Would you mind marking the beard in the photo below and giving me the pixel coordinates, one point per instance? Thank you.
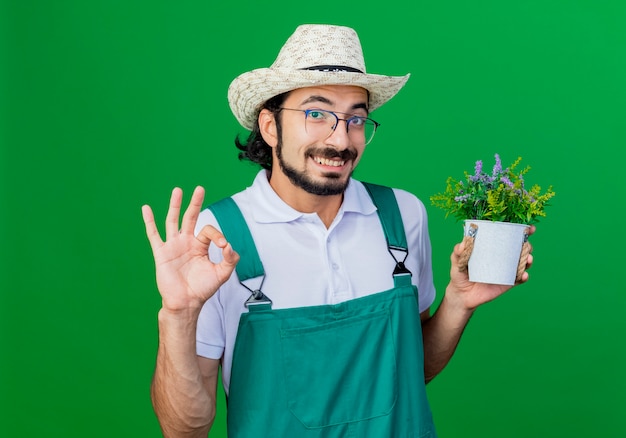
(331, 185)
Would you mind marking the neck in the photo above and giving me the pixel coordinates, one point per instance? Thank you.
(299, 199)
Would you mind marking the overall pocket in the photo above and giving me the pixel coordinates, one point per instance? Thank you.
(342, 371)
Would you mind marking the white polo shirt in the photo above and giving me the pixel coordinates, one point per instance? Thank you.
(307, 264)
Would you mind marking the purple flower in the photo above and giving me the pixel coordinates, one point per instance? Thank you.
(507, 181)
(479, 168)
(497, 168)
(477, 172)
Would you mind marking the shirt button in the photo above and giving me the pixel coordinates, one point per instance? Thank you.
(335, 266)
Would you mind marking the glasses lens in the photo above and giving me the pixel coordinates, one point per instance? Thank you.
(361, 130)
(319, 123)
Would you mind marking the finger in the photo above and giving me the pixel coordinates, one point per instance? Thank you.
(459, 248)
(210, 234)
(229, 262)
(456, 253)
(230, 257)
(523, 278)
(458, 262)
(466, 248)
(173, 213)
(151, 229)
(190, 218)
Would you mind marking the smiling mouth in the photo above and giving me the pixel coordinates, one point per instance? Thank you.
(329, 162)
(332, 158)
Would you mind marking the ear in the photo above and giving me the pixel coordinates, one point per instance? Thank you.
(267, 127)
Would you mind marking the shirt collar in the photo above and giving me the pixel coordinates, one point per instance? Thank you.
(268, 207)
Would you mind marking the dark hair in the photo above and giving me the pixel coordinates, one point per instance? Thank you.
(255, 148)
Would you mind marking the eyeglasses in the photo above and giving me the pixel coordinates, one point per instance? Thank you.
(322, 123)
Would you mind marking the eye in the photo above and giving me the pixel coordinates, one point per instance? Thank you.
(358, 122)
(317, 115)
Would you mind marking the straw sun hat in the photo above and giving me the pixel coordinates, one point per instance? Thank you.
(314, 55)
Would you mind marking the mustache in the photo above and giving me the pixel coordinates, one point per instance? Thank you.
(330, 153)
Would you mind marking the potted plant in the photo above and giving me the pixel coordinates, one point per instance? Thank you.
(497, 210)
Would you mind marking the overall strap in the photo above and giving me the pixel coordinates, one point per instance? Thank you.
(391, 220)
(389, 214)
(236, 231)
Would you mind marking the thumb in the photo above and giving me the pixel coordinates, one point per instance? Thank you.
(230, 256)
(463, 251)
(229, 261)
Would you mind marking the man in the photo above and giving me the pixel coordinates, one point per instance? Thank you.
(324, 329)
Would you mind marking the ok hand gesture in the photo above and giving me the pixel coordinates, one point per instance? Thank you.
(186, 278)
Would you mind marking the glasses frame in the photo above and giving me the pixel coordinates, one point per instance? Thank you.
(337, 119)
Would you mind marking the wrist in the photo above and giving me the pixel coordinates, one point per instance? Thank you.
(179, 317)
(175, 306)
(455, 306)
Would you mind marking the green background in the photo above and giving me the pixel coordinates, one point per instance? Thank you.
(107, 105)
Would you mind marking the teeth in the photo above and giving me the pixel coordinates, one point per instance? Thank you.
(327, 162)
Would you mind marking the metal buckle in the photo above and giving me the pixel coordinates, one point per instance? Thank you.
(257, 298)
(400, 268)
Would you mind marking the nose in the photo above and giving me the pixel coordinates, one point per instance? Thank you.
(339, 138)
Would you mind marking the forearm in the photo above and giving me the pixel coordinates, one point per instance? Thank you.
(441, 334)
(181, 402)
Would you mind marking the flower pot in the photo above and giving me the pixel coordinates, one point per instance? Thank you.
(496, 253)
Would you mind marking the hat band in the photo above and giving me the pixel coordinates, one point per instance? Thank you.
(333, 68)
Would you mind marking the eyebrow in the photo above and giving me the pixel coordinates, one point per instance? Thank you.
(322, 99)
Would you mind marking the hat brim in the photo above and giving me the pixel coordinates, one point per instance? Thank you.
(250, 90)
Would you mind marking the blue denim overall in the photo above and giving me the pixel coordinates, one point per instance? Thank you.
(353, 369)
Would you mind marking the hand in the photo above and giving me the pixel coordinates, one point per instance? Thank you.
(470, 295)
(186, 278)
